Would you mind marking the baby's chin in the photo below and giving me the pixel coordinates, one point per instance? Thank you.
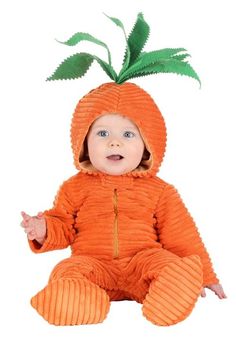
(115, 171)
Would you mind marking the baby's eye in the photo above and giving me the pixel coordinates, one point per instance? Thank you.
(102, 133)
(129, 134)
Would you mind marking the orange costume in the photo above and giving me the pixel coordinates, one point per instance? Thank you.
(131, 235)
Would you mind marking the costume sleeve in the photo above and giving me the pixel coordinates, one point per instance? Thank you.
(60, 223)
(178, 232)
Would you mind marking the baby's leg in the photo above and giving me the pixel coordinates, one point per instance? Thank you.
(71, 298)
(174, 288)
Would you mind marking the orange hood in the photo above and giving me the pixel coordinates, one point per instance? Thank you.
(128, 100)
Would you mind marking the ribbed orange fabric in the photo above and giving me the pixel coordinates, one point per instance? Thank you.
(171, 297)
(131, 235)
(72, 302)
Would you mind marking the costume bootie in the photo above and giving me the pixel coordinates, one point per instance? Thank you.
(72, 302)
(172, 296)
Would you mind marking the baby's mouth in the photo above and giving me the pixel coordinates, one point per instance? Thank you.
(115, 157)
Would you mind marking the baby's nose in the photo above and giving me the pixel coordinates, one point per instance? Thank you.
(114, 143)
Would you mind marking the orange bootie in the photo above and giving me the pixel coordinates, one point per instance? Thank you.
(172, 296)
(72, 302)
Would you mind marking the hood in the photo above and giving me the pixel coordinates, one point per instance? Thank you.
(129, 100)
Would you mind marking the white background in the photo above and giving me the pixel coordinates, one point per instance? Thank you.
(35, 146)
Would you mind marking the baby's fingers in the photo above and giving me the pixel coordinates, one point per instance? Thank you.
(218, 290)
(29, 230)
(203, 293)
(25, 216)
(40, 215)
(23, 224)
(221, 294)
(31, 236)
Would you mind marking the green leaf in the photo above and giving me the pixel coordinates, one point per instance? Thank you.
(78, 37)
(149, 58)
(77, 65)
(116, 21)
(120, 24)
(73, 67)
(107, 68)
(137, 38)
(165, 66)
(181, 57)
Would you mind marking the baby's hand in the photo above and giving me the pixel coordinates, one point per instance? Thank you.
(217, 288)
(35, 227)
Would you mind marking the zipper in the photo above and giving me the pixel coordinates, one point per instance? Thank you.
(116, 243)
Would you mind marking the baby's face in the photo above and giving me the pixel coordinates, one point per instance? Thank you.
(113, 134)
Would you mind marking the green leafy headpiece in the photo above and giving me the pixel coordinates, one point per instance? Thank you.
(136, 63)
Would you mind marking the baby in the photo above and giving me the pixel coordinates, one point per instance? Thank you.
(130, 234)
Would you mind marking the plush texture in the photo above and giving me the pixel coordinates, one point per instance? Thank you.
(131, 236)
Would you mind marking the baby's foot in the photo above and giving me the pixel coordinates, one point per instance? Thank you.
(72, 302)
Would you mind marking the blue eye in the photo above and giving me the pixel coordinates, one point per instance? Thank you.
(102, 133)
(129, 134)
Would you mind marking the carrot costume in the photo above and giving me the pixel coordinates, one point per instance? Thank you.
(131, 235)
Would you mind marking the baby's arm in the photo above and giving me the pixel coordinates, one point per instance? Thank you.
(54, 228)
